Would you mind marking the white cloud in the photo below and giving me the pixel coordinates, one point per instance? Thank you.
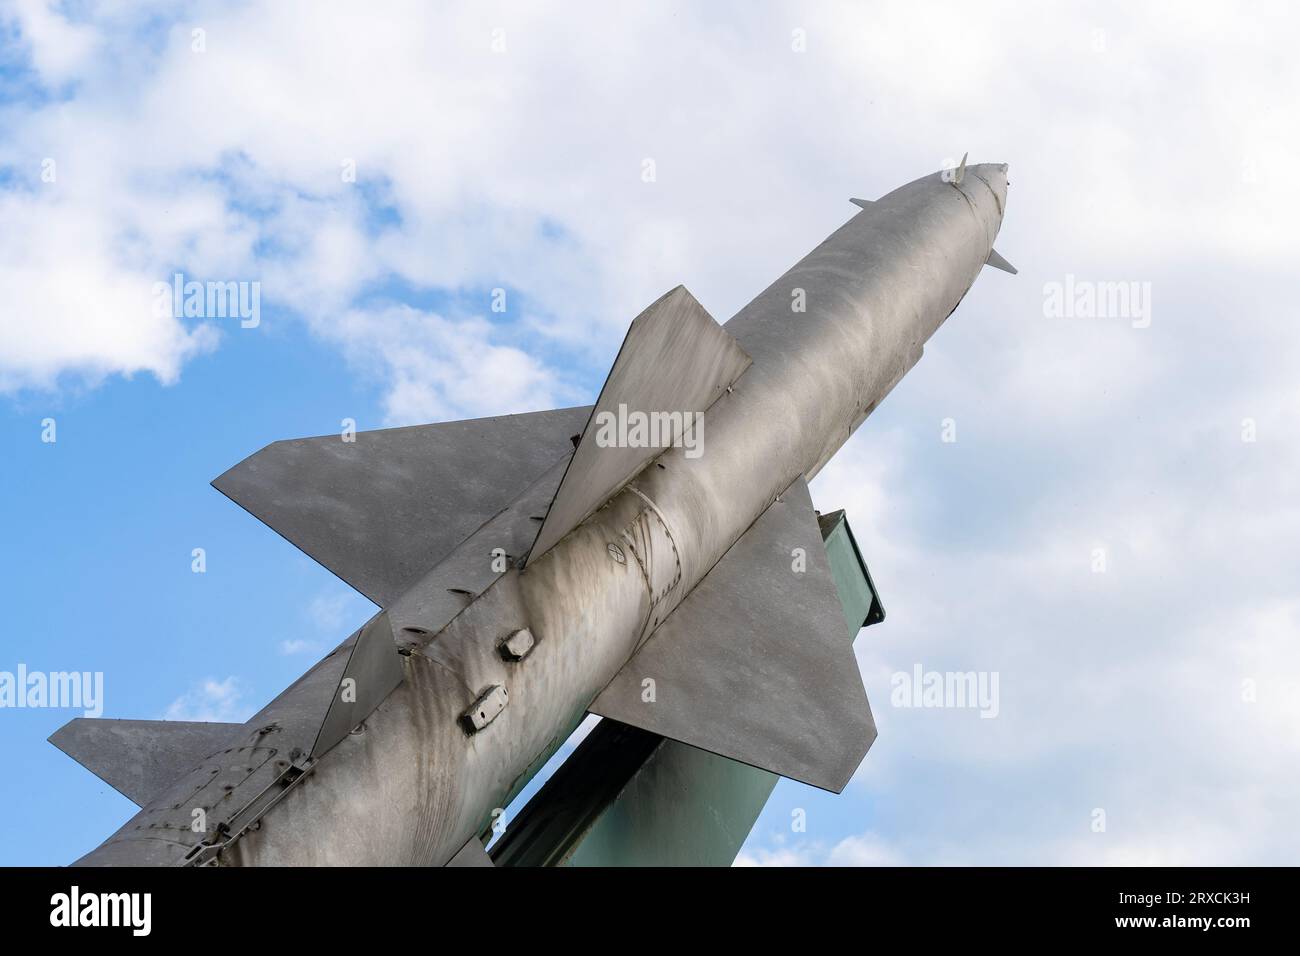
(211, 700)
(298, 645)
(523, 168)
(865, 849)
(782, 856)
(331, 616)
(436, 368)
(59, 48)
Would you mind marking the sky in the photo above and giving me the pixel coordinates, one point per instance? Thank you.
(1098, 506)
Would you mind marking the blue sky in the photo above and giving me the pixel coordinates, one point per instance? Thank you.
(501, 146)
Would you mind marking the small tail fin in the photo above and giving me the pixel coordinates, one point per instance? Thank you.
(675, 362)
(997, 262)
(139, 758)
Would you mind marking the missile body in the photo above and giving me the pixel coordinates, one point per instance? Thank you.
(499, 664)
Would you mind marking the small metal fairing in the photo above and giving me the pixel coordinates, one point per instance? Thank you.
(754, 664)
(383, 508)
(675, 362)
(373, 670)
(141, 758)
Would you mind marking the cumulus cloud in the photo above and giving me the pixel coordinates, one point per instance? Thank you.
(865, 849)
(211, 700)
(330, 616)
(507, 145)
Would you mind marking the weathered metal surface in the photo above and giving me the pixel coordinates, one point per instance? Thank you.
(486, 709)
(421, 613)
(382, 510)
(471, 854)
(517, 645)
(232, 778)
(753, 665)
(411, 787)
(675, 361)
(997, 262)
(373, 669)
(140, 758)
(627, 797)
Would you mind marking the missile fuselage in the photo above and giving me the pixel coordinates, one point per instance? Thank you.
(413, 783)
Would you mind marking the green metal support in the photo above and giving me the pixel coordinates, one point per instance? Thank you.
(627, 797)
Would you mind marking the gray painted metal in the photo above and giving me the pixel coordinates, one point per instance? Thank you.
(753, 665)
(410, 787)
(373, 669)
(472, 853)
(517, 645)
(675, 359)
(140, 758)
(266, 754)
(959, 175)
(486, 709)
(385, 508)
(997, 262)
(627, 797)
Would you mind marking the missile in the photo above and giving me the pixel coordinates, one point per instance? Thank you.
(654, 558)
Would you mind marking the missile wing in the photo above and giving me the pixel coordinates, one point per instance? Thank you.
(753, 665)
(383, 509)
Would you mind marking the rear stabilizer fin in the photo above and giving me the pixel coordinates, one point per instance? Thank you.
(141, 758)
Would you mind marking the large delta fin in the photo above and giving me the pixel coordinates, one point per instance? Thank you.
(382, 510)
(140, 758)
(675, 361)
(757, 663)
